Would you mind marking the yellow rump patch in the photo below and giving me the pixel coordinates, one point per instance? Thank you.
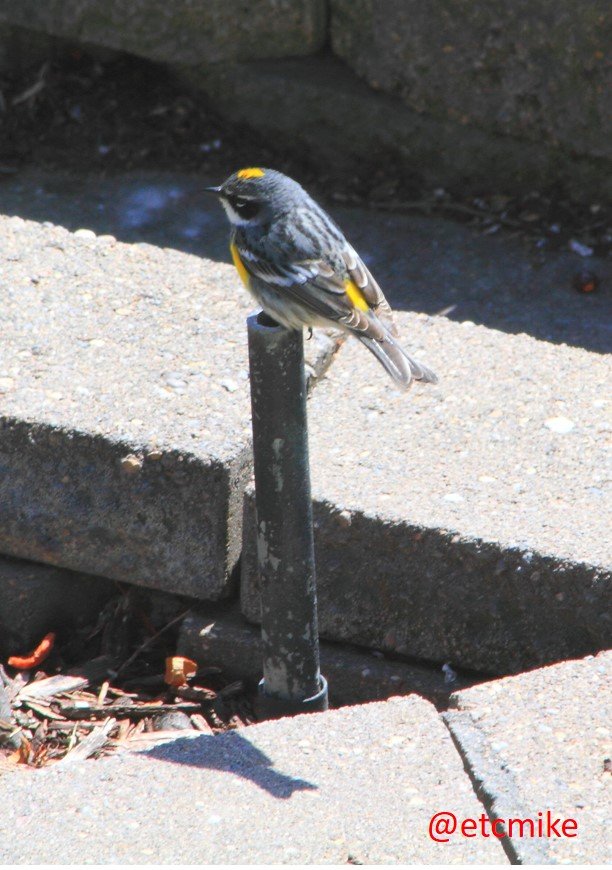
(355, 295)
(252, 172)
(244, 275)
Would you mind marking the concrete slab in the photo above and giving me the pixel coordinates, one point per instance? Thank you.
(468, 522)
(541, 742)
(181, 32)
(124, 409)
(36, 599)
(354, 676)
(424, 264)
(499, 59)
(354, 785)
(318, 105)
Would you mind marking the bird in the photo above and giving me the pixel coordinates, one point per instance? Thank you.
(297, 263)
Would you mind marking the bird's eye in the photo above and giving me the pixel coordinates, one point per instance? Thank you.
(246, 208)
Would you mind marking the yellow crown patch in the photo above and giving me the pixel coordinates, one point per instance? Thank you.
(252, 172)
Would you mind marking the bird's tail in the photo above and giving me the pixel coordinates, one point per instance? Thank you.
(402, 368)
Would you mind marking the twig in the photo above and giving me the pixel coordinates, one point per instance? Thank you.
(196, 693)
(93, 743)
(150, 640)
(133, 711)
(83, 676)
(103, 692)
(34, 89)
(42, 710)
(232, 690)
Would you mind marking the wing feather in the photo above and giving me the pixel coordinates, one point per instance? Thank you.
(318, 287)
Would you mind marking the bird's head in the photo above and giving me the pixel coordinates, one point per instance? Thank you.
(255, 195)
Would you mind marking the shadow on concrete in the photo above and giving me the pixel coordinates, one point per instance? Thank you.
(423, 264)
(231, 753)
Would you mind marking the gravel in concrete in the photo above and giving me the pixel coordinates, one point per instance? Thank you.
(542, 742)
(354, 785)
(467, 522)
(124, 408)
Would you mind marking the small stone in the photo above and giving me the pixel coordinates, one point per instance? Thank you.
(174, 380)
(84, 234)
(345, 519)
(450, 675)
(6, 384)
(454, 497)
(131, 464)
(560, 425)
(585, 281)
(229, 385)
(579, 248)
(173, 721)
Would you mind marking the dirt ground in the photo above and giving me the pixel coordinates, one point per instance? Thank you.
(112, 113)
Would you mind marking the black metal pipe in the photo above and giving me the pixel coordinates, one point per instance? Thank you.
(291, 681)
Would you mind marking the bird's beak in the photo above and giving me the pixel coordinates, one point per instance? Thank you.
(216, 190)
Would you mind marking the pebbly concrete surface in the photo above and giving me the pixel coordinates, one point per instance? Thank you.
(124, 408)
(468, 522)
(347, 786)
(354, 676)
(36, 599)
(542, 742)
(423, 264)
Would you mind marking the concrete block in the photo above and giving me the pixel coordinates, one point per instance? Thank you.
(532, 70)
(318, 104)
(463, 523)
(36, 599)
(355, 676)
(124, 409)
(183, 32)
(540, 743)
(356, 785)
(124, 428)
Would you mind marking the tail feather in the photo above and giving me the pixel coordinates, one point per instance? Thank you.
(402, 368)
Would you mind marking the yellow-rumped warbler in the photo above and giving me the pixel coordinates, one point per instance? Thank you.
(297, 263)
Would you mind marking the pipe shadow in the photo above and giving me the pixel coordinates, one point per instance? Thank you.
(231, 753)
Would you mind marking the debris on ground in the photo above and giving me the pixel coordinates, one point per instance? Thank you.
(114, 698)
(82, 111)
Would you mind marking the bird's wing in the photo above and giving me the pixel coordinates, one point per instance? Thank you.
(369, 287)
(352, 299)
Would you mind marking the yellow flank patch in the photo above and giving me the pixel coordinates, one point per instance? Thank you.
(244, 275)
(252, 172)
(355, 295)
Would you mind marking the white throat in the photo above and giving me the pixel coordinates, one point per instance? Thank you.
(233, 215)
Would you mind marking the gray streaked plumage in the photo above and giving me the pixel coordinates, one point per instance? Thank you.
(302, 270)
